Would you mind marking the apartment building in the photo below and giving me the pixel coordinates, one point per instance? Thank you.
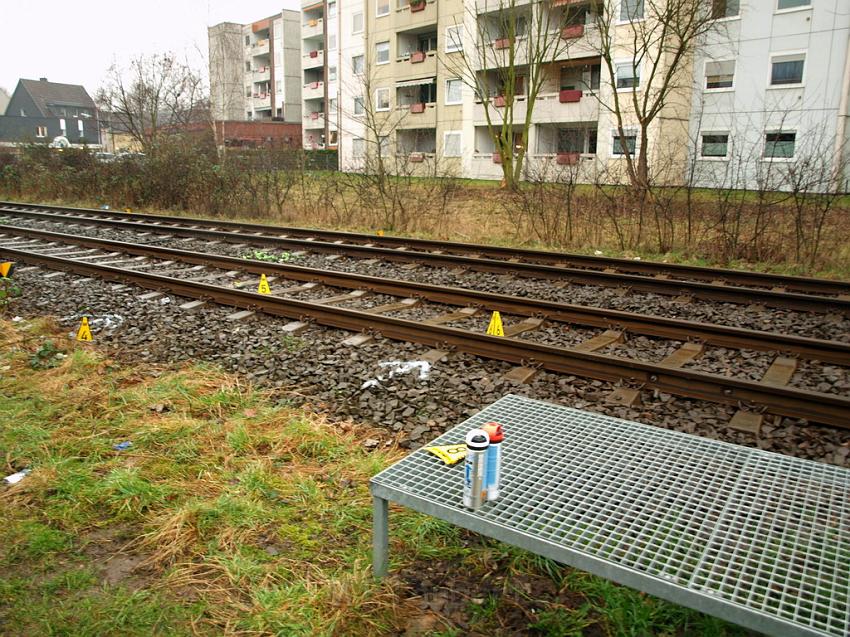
(319, 53)
(255, 69)
(770, 79)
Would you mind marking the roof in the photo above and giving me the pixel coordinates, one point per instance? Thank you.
(46, 94)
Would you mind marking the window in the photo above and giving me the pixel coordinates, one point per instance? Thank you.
(358, 63)
(382, 99)
(779, 145)
(80, 127)
(332, 107)
(382, 52)
(453, 92)
(617, 144)
(332, 42)
(719, 75)
(332, 9)
(454, 39)
(628, 77)
(631, 10)
(725, 9)
(384, 145)
(62, 125)
(247, 66)
(357, 22)
(41, 131)
(247, 40)
(792, 4)
(452, 146)
(715, 145)
(278, 85)
(331, 74)
(382, 7)
(358, 147)
(359, 108)
(591, 141)
(571, 140)
(787, 70)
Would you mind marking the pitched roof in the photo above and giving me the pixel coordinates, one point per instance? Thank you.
(46, 94)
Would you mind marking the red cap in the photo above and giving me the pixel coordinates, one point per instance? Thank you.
(495, 431)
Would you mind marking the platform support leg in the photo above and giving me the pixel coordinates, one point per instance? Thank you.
(380, 538)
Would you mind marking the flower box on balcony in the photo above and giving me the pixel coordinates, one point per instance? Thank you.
(567, 159)
(314, 54)
(312, 23)
(572, 31)
(497, 158)
(314, 84)
(417, 56)
(569, 95)
(499, 101)
(417, 108)
(417, 6)
(314, 115)
(503, 43)
(417, 158)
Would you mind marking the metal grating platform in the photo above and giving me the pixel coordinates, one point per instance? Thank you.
(757, 538)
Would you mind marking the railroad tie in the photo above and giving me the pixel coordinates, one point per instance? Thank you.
(526, 325)
(521, 375)
(779, 374)
(294, 327)
(684, 355)
(434, 356)
(608, 337)
(461, 314)
(342, 298)
(404, 304)
(358, 339)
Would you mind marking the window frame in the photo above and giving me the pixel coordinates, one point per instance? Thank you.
(378, 13)
(354, 22)
(702, 135)
(459, 29)
(354, 152)
(802, 7)
(378, 108)
(631, 65)
(377, 61)
(722, 89)
(615, 146)
(777, 54)
(41, 132)
(621, 20)
(359, 99)
(446, 101)
(459, 134)
(362, 59)
(737, 16)
(764, 157)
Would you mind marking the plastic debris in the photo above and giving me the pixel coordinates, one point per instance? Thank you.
(398, 368)
(121, 446)
(17, 319)
(104, 207)
(15, 478)
(597, 252)
(165, 300)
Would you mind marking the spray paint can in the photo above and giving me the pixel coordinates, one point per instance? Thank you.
(494, 458)
(475, 468)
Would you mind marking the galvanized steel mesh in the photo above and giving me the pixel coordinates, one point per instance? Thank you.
(766, 533)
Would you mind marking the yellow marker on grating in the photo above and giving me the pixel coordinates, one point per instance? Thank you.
(263, 287)
(450, 454)
(6, 268)
(495, 328)
(84, 333)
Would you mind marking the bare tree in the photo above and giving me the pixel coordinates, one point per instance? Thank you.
(154, 94)
(659, 38)
(511, 58)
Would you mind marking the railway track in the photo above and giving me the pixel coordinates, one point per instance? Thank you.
(210, 277)
(713, 284)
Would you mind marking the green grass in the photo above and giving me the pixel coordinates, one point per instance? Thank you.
(237, 515)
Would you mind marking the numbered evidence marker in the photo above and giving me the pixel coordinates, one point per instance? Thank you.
(450, 454)
(6, 269)
(84, 333)
(495, 328)
(263, 287)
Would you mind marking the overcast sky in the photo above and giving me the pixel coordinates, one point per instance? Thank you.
(76, 42)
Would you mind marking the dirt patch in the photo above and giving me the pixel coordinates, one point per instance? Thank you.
(109, 551)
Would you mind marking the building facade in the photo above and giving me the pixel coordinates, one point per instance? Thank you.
(255, 69)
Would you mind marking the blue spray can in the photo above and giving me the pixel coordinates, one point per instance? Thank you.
(494, 458)
(475, 468)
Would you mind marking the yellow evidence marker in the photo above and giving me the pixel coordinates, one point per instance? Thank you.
(495, 328)
(6, 268)
(84, 333)
(450, 454)
(263, 287)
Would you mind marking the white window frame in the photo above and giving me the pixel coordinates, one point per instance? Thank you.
(446, 101)
(626, 89)
(332, 74)
(80, 127)
(377, 44)
(62, 126)
(378, 91)
(41, 131)
(354, 17)
(620, 19)
(724, 89)
(354, 145)
(780, 54)
(362, 59)
(804, 7)
(616, 146)
(384, 145)
(459, 134)
(458, 41)
(701, 157)
(358, 99)
(774, 131)
(378, 13)
(737, 16)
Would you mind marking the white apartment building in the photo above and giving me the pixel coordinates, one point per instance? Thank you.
(255, 69)
(769, 81)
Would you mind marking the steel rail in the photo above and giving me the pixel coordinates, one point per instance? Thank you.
(780, 400)
(677, 329)
(701, 273)
(641, 283)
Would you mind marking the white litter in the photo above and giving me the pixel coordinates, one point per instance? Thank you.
(17, 319)
(165, 300)
(397, 368)
(597, 252)
(15, 478)
(105, 322)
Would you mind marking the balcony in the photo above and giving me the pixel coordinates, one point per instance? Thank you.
(314, 119)
(416, 14)
(564, 106)
(417, 115)
(313, 59)
(261, 101)
(261, 74)
(260, 47)
(313, 90)
(312, 28)
(416, 64)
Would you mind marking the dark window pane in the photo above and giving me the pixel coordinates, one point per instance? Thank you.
(790, 72)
